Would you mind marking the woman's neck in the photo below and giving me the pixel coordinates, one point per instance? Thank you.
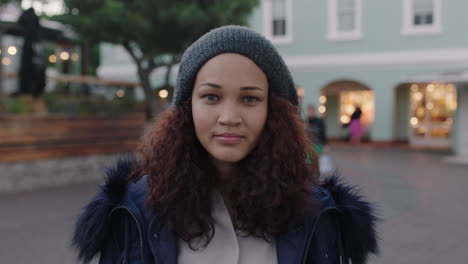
(226, 172)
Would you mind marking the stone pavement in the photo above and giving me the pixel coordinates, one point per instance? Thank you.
(421, 199)
(34, 174)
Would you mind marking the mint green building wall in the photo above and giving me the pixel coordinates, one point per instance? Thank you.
(402, 110)
(381, 29)
(460, 128)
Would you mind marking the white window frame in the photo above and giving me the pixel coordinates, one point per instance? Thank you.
(333, 33)
(267, 12)
(410, 29)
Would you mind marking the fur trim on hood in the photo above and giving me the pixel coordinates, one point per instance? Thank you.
(90, 230)
(358, 224)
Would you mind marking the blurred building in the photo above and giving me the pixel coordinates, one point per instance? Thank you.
(404, 62)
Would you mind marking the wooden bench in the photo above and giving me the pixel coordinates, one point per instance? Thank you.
(32, 137)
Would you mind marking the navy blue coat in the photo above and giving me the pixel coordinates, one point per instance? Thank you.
(117, 226)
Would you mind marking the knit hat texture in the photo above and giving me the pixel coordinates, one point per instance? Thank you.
(240, 40)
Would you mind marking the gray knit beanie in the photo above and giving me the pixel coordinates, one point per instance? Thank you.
(240, 40)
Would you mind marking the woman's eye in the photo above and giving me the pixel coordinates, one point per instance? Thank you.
(250, 99)
(211, 97)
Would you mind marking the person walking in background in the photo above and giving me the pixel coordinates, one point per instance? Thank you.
(221, 176)
(316, 130)
(355, 127)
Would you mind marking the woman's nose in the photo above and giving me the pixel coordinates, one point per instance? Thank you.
(229, 115)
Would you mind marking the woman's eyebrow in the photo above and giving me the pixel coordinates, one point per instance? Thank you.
(250, 87)
(214, 85)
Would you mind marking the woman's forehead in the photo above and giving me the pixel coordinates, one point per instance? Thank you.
(231, 68)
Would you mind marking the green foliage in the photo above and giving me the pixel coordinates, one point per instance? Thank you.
(95, 60)
(73, 105)
(19, 106)
(7, 1)
(154, 32)
(154, 27)
(14, 105)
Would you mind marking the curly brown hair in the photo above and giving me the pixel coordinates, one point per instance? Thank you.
(270, 193)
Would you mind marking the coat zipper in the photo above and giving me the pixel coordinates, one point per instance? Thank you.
(139, 230)
(309, 240)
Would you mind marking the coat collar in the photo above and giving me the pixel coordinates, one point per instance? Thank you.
(357, 223)
(291, 244)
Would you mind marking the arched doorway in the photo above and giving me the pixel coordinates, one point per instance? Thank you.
(338, 101)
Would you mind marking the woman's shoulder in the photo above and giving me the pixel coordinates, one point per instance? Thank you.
(355, 218)
(117, 191)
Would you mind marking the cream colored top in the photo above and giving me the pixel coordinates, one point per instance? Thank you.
(227, 246)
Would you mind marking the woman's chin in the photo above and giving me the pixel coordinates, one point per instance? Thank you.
(227, 157)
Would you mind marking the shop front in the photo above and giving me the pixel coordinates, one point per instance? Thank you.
(439, 111)
(432, 113)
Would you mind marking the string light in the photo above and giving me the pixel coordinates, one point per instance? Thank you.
(64, 55)
(163, 93)
(300, 91)
(52, 58)
(322, 99)
(120, 93)
(6, 61)
(74, 57)
(322, 109)
(12, 50)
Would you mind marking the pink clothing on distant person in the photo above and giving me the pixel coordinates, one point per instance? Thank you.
(355, 128)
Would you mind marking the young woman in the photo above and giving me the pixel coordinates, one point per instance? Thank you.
(222, 176)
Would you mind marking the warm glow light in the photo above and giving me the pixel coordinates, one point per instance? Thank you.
(418, 96)
(74, 57)
(12, 50)
(430, 106)
(349, 109)
(64, 55)
(6, 61)
(52, 58)
(163, 93)
(344, 119)
(120, 93)
(322, 109)
(348, 102)
(414, 87)
(430, 87)
(300, 91)
(414, 121)
(0, 51)
(322, 99)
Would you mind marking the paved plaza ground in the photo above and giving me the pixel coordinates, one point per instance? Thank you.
(422, 201)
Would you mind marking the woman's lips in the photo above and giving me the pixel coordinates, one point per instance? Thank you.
(228, 138)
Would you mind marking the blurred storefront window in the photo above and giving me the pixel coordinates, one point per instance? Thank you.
(433, 106)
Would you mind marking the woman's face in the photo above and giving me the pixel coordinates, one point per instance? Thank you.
(229, 106)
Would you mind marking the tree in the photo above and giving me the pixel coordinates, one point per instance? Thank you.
(153, 32)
